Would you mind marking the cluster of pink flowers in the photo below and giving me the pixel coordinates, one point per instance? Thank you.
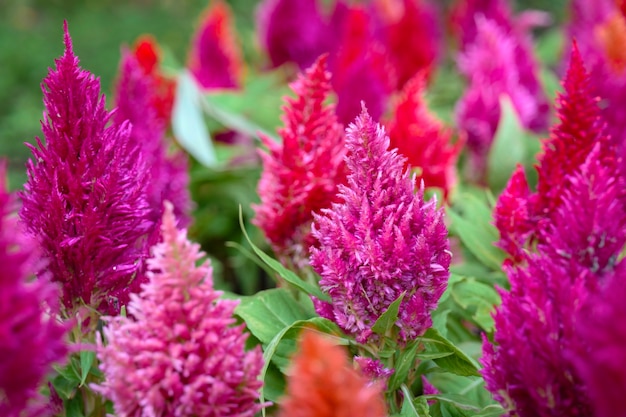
(181, 353)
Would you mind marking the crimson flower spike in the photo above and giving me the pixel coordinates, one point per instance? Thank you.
(84, 201)
(301, 175)
(215, 57)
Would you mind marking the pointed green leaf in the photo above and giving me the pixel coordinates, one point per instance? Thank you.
(458, 362)
(388, 319)
(87, 358)
(403, 365)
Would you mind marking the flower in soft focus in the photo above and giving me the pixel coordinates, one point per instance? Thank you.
(599, 27)
(322, 383)
(168, 171)
(31, 339)
(602, 324)
(215, 59)
(497, 60)
(412, 36)
(85, 201)
(163, 88)
(373, 369)
(520, 215)
(301, 175)
(182, 354)
(423, 139)
(293, 31)
(529, 370)
(381, 241)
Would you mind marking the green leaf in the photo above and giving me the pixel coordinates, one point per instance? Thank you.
(283, 272)
(274, 383)
(188, 121)
(74, 406)
(478, 298)
(268, 312)
(493, 410)
(291, 332)
(87, 358)
(475, 229)
(509, 147)
(403, 365)
(388, 319)
(457, 362)
(408, 408)
(456, 400)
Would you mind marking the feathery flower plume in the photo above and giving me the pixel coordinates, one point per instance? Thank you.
(530, 370)
(570, 143)
(493, 66)
(31, 338)
(602, 324)
(182, 355)
(84, 201)
(215, 59)
(163, 88)
(321, 383)
(301, 175)
(422, 138)
(168, 171)
(379, 242)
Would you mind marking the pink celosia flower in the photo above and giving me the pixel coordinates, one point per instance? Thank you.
(215, 58)
(301, 175)
(168, 177)
(321, 383)
(373, 369)
(379, 242)
(423, 139)
(530, 371)
(84, 201)
(519, 214)
(163, 88)
(182, 355)
(602, 325)
(31, 339)
(497, 60)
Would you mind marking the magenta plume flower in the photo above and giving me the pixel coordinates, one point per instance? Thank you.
(167, 171)
(182, 355)
(301, 175)
(215, 57)
(530, 371)
(602, 324)
(379, 242)
(84, 201)
(31, 338)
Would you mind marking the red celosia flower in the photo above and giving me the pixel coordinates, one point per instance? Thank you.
(169, 178)
(301, 175)
(163, 88)
(31, 338)
(182, 354)
(85, 199)
(422, 138)
(215, 58)
(412, 36)
(321, 383)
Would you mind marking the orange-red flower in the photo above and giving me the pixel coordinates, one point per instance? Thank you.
(322, 383)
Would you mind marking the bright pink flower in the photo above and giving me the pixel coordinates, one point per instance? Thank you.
(168, 171)
(302, 174)
(379, 242)
(182, 354)
(423, 139)
(215, 58)
(31, 338)
(85, 200)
